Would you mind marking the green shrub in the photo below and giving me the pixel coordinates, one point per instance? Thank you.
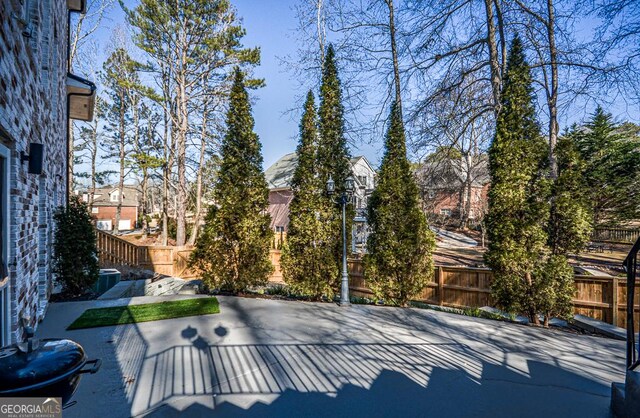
(278, 290)
(75, 261)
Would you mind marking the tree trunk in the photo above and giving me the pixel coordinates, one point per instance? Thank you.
(394, 55)
(533, 316)
(94, 155)
(494, 59)
(145, 223)
(122, 127)
(321, 30)
(165, 189)
(552, 99)
(203, 149)
(183, 127)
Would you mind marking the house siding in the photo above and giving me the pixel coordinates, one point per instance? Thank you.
(33, 109)
(448, 200)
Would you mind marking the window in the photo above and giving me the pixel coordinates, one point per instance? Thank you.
(431, 194)
(445, 212)
(363, 180)
(114, 196)
(279, 228)
(95, 210)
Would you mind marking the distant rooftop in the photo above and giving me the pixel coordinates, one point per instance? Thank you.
(280, 173)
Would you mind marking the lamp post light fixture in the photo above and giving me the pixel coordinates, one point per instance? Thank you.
(343, 200)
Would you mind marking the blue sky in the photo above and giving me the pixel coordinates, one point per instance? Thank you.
(269, 25)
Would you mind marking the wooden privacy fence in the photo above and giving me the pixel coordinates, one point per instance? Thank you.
(615, 235)
(603, 298)
(598, 297)
(168, 260)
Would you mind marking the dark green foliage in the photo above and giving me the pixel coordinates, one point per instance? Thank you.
(333, 155)
(399, 263)
(75, 255)
(519, 207)
(207, 31)
(612, 172)
(553, 288)
(571, 220)
(308, 262)
(233, 251)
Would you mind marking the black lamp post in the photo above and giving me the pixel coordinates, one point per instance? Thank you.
(343, 200)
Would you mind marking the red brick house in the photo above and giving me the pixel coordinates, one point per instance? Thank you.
(105, 205)
(447, 185)
(38, 96)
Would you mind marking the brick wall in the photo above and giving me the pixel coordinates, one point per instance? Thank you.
(109, 213)
(33, 109)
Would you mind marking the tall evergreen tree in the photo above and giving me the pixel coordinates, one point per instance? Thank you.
(308, 262)
(570, 226)
(333, 156)
(399, 263)
(612, 173)
(526, 278)
(233, 251)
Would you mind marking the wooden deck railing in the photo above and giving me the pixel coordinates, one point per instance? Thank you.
(116, 251)
(168, 260)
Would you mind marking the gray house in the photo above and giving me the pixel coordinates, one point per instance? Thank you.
(279, 176)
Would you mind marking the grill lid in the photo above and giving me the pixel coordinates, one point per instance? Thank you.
(51, 360)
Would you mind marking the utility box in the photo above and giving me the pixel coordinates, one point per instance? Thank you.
(106, 280)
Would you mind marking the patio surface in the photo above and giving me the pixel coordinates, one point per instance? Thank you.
(262, 358)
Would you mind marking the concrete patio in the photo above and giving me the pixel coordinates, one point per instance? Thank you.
(279, 358)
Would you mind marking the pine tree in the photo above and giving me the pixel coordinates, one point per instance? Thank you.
(308, 262)
(399, 263)
(571, 214)
(333, 156)
(233, 251)
(526, 278)
(612, 169)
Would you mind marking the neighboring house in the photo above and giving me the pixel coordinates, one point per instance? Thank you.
(446, 185)
(279, 177)
(105, 205)
(37, 98)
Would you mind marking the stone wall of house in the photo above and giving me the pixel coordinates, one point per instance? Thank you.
(33, 109)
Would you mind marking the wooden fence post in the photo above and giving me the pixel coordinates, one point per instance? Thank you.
(440, 281)
(614, 301)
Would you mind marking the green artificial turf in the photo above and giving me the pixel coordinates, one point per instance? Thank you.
(101, 317)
